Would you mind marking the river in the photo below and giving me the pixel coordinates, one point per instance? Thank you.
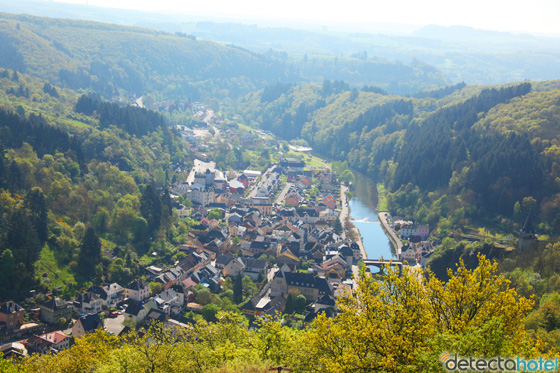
(362, 210)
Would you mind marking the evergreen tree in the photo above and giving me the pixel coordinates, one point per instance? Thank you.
(7, 271)
(87, 104)
(37, 205)
(150, 208)
(337, 226)
(289, 307)
(3, 169)
(90, 253)
(15, 178)
(50, 90)
(22, 238)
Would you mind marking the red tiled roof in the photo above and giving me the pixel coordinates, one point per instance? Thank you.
(54, 337)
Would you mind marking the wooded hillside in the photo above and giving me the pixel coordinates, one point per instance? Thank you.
(74, 184)
(447, 156)
(112, 59)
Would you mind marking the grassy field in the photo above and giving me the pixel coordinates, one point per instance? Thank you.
(50, 274)
(382, 204)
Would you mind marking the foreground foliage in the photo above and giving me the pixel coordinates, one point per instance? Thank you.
(399, 323)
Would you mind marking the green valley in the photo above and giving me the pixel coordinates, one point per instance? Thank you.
(169, 203)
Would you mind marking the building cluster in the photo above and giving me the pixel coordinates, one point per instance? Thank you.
(417, 250)
(285, 244)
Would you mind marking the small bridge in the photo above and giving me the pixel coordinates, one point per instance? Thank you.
(380, 263)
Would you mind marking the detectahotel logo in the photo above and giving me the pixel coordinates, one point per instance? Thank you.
(454, 363)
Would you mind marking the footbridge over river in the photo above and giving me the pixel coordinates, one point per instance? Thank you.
(380, 263)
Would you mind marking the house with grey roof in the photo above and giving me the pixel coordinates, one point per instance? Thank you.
(137, 290)
(311, 287)
(112, 294)
(86, 324)
(54, 309)
(170, 301)
(88, 302)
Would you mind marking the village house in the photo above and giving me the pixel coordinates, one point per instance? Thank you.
(136, 311)
(422, 230)
(87, 303)
(86, 324)
(170, 301)
(328, 187)
(287, 257)
(11, 315)
(326, 301)
(333, 269)
(258, 305)
(208, 276)
(13, 350)
(304, 183)
(199, 213)
(201, 196)
(171, 277)
(112, 294)
(193, 261)
(234, 218)
(292, 164)
(261, 204)
(311, 287)
(308, 215)
(328, 215)
(45, 343)
(137, 290)
(233, 268)
(254, 267)
(222, 260)
(155, 315)
(329, 201)
(409, 254)
(54, 309)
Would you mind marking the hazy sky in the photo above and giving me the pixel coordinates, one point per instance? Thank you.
(537, 16)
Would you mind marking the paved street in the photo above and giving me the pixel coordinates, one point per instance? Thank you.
(393, 237)
(199, 166)
(114, 324)
(282, 194)
(344, 211)
(255, 187)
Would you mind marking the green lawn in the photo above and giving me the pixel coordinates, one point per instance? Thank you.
(382, 204)
(56, 275)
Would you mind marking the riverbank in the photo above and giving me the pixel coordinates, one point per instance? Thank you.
(358, 236)
(395, 240)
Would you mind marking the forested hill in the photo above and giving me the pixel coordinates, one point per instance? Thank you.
(74, 184)
(106, 57)
(448, 156)
(112, 59)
